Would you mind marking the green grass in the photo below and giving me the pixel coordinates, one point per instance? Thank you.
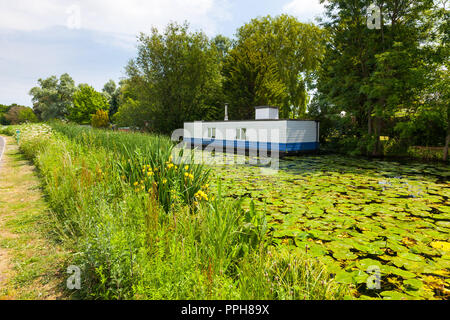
(161, 238)
(35, 260)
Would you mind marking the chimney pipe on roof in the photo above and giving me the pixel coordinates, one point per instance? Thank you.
(226, 111)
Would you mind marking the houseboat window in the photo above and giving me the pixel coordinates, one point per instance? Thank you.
(212, 133)
(241, 134)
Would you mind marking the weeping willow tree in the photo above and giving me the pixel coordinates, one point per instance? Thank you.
(271, 63)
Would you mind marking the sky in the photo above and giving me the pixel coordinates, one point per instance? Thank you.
(92, 40)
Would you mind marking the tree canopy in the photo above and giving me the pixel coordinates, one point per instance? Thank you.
(86, 102)
(53, 97)
(271, 63)
(178, 76)
(377, 74)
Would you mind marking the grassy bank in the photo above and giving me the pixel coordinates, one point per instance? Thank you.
(144, 226)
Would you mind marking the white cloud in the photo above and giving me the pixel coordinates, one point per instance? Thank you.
(36, 41)
(127, 17)
(304, 9)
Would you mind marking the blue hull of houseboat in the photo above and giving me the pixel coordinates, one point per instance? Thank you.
(284, 148)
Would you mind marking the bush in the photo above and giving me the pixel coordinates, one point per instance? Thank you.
(100, 119)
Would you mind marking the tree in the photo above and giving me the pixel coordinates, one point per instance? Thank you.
(3, 110)
(223, 46)
(252, 79)
(283, 54)
(372, 74)
(27, 115)
(112, 93)
(178, 76)
(53, 97)
(86, 102)
(131, 114)
(20, 114)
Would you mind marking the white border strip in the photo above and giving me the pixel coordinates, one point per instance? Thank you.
(4, 147)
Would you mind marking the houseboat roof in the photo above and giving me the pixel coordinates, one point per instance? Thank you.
(250, 120)
(266, 107)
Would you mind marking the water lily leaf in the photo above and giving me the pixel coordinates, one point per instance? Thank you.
(441, 245)
(345, 277)
(413, 284)
(402, 273)
(395, 295)
(344, 255)
(410, 256)
(366, 263)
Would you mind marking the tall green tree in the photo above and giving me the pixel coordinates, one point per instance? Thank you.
(252, 79)
(178, 73)
(86, 102)
(373, 73)
(112, 93)
(53, 97)
(273, 60)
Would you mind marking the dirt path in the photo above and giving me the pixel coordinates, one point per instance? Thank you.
(2, 149)
(30, 263)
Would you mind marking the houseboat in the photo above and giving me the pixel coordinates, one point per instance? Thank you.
(267, 134)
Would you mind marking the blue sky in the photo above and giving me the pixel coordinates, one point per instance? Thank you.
(93, 40)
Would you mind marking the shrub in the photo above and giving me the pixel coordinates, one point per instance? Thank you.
(100, 119)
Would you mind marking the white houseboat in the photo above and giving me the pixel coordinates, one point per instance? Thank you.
(266, 134)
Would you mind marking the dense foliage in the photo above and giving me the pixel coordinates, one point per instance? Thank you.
(100, 119)
(53, 97)
(270, 63)
(177, 77)
(386, 79)
(15, 114)
(86, 102)
(144, 227)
